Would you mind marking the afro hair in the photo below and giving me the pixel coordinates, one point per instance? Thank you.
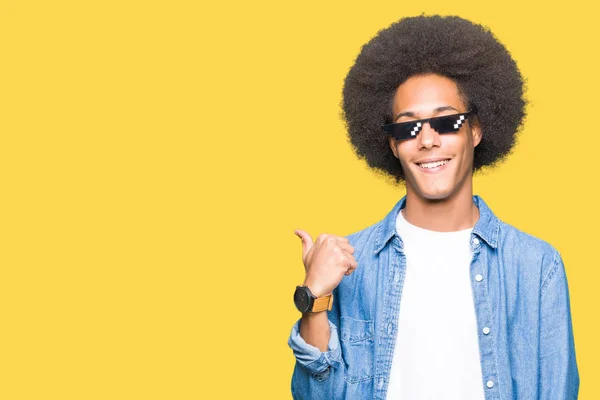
(486, 76)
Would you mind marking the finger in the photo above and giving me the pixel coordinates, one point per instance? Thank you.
(350, 270)
(307, 241)
(346, 247)
(341, 238)
(348, 260)
(346, 256)
(352, 264)
(334, 238)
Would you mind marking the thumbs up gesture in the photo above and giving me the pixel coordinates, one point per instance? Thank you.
(326, 261)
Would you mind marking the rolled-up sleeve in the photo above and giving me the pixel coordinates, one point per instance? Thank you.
(317, 374)
(310, 357)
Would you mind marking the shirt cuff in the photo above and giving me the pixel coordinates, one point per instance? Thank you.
(310, 357)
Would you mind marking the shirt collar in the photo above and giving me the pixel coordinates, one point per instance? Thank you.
(487, 227)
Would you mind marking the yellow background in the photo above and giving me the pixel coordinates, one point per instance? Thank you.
(156, 156)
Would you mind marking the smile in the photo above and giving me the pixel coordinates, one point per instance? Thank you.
(434, 164)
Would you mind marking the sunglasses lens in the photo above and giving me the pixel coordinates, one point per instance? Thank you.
(449, 124)
(405, 130)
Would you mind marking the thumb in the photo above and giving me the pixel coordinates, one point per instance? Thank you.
(307, 241)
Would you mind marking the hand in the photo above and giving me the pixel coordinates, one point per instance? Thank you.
(326, 261)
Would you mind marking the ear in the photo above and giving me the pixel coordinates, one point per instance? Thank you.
(476, 131)
(392, 142)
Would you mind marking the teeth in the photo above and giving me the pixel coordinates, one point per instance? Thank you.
(434, 164)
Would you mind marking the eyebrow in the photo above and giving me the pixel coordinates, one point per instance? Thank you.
(435, 111)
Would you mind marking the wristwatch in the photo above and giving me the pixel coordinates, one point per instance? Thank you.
(307, 302)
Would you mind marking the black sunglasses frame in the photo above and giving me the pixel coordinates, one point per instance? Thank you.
(442, 125)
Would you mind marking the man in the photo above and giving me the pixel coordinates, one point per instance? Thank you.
(440, 299)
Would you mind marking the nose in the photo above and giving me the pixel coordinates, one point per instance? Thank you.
(428, 137)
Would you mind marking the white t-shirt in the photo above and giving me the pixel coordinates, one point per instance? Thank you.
(436, 355)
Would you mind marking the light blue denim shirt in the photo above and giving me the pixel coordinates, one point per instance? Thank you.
(522, 308)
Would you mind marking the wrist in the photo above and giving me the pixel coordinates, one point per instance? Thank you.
(306, 301)
(315, 288)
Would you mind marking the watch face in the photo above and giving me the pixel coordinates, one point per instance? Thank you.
(301, 299)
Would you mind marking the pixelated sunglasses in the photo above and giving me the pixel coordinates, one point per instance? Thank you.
(443, 124)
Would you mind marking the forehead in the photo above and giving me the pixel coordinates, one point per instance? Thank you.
(423, 93)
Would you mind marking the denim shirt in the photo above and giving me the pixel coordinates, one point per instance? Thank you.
(522, 308)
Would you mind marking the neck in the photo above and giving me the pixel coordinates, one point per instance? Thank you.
(454, 213)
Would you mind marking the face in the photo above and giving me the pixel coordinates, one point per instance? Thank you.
(436, 166)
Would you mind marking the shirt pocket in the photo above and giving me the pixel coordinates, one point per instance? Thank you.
(358, 348)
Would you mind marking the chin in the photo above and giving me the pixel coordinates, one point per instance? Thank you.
(434, 198)
(434, 194)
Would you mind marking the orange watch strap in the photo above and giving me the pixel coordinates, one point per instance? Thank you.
(323, 303)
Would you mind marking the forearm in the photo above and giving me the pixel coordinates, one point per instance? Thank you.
(314, 329)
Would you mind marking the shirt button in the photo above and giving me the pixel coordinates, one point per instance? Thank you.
(490, 384)
(380, 384)
(478, 277)
(486, 330)
(475, 241)
(397, 277)
(390, 328)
